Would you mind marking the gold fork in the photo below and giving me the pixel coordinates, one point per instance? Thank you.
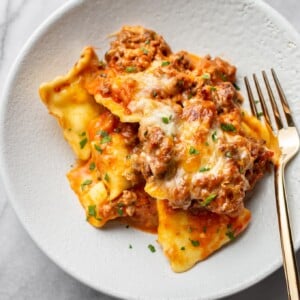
(288, 138)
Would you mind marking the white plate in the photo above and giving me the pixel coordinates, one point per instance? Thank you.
(35, 158)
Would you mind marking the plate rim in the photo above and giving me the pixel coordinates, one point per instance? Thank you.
(275, 16)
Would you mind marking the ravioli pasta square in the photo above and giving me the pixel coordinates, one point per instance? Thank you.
(162, 143)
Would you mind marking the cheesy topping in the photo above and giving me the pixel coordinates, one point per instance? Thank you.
(162, 142)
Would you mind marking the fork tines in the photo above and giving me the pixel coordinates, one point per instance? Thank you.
(265, 113)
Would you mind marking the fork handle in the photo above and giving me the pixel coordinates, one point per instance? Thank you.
(287, 247)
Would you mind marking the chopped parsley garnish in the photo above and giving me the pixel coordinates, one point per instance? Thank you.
(85, 183)
(83, 142)
(145, 51)
(101, 63)
(166, 120)
(209, 199)
(214, 136)
(154, 93)
(82, 134)
(165, 63)
(151, 248)
(223, 77)
(105, 139)
(130, 246)
(230, 232)
(213, 88)
(147, 42)
(106, 177)
(204, 169)
(92, 166)
(228, 127)
(130, 69)
(103, 133)
(182, 248)
(120, 211)
(92, 210)
(98, 148)
(236, 86)
(206, 76)
(256, 101)
(195, 243)
(193, 151)
(228, 154)
(259, 114)
(206, 143)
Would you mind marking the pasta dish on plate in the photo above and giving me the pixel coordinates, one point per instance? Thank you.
(161, 142)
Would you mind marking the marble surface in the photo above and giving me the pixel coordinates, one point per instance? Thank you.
(25, 272)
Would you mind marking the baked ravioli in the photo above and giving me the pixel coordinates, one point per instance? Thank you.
(161, 143)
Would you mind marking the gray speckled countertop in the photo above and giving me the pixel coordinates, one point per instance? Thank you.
(25, 272)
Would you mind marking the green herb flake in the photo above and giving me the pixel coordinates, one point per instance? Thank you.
(190, 229)
(102, 133)
(85, 183)
(209, 199)
(236, 86)
(193, 151)
(204, 229)
(151, 248)
(120, 211)
(227, 127)
(230, 232)
(154, 93)
(206, 143)
(259, 114)
(214, 136)
(83, 142)
(105, 139)
(165, 120)
(92, 210)
(228, 154)
(182, 248)
(82, 134)
(98, 148)
(256, 101)
(195, 243)
(106, 177)
(101, 63)
(213, 88)
(147, 42)
(206, 76)
(145, 51)
(130, 246)
(204, 169)
(92, 166)
(165, 63)
(130, 69)
(224, 77)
